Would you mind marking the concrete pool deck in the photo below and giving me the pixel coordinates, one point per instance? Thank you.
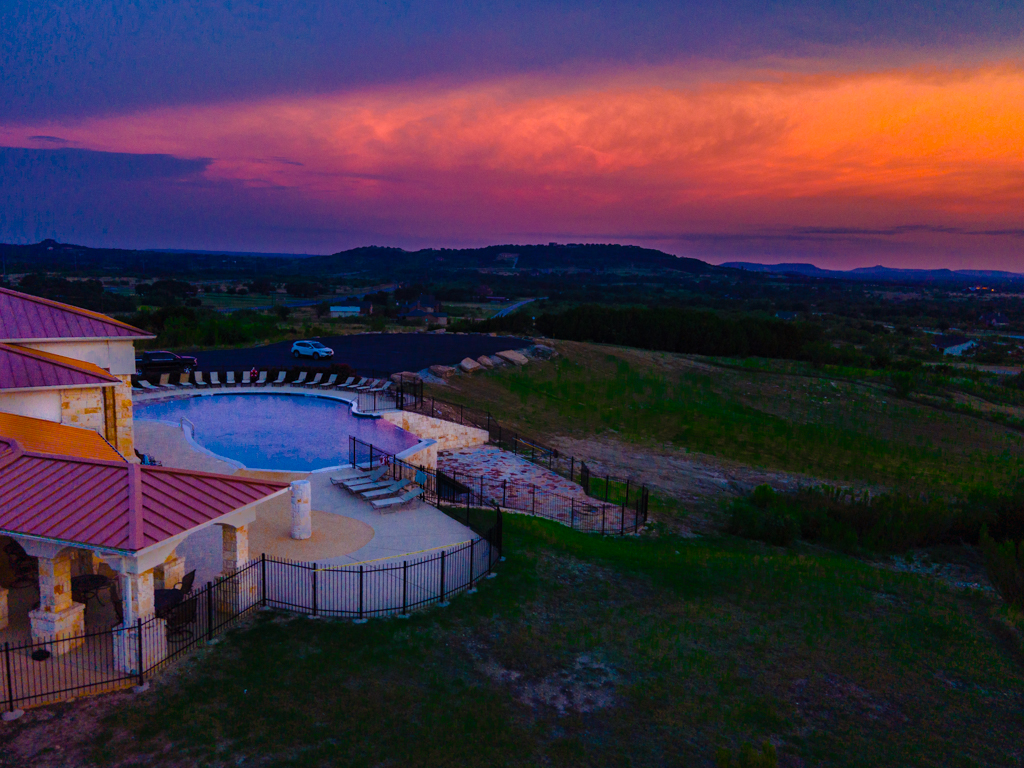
(416, 527)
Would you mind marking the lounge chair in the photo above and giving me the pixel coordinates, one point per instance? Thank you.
(230, 382)
(384, 387)
(262, 380)
(329, 384)
(367, 477)
(391, 490)
(315, 382)
(279, 381)
(148, 387)
(358, 384)
(214, 379)
(165, 381)
(298, 381)
(347, 384)
(199, 380)
(184, 382)
(246, 379)
(397, 501)
(368, 386)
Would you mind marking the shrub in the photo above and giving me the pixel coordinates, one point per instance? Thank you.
(1005, 567)
(763, 516)
(748, 757)
(903, 382)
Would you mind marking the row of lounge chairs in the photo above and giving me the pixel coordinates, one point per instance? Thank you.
(381, 493)
(353, 383)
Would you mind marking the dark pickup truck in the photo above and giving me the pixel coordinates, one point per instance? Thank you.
(156, 363)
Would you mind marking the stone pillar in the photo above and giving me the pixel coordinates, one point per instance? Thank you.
(302, 521)
(169, 573)
(57, 615)
(235, 591)
(4, 615)
(137, 603)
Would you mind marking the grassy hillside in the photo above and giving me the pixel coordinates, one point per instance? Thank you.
(784, 416)
(633, 652)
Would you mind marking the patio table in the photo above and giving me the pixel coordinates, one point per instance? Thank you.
(87, 586)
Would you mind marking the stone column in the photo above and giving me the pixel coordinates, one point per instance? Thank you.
(302, 521)
(57, 615)
(137, 603)
(169, 573)
(235, 592)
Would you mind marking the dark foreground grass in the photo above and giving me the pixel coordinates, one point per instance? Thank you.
(617, 652)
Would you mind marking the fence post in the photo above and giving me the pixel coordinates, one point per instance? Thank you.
(636, 518)
(138, 634)
(504, 488)
(572, 513)
(209, 611)
(10, 678)
(405, 587)
(472, 546)
(607, 485)
(442, 577)
(314, 590)
(263, 579)
(360, 592)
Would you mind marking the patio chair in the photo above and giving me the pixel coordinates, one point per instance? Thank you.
(214, 379)
(366, 477)
(230, 382)
(165, 381)
(368, 386)
(184, 382)
(298, 381)
(279, 381)
(181, 619)
(147, 387)
(246, 378)
(397, 501)
(329, 384)
(315, 382)
(358, 384)
(347, 384)
(391, 490)
(185, 585)
(382, 387)
(199, 380)
(262, 380)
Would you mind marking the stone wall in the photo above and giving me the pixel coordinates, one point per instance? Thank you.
(448, 434)
(83, 408)
(124, 432)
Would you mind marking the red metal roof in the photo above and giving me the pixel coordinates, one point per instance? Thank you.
(30, 318)
(40, 436)
(22, 368)
(109, 504)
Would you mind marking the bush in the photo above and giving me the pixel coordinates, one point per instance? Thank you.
(1005, 567)
(903, 383)
(748, 757)
(764, 516)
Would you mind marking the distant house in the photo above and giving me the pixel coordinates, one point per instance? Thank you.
(423, 317)
(788, 315)
(345, 311)
(953, 345)
(994, 319)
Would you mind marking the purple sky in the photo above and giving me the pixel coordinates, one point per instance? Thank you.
(846, 134)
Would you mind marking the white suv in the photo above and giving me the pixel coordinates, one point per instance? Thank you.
(313, 349)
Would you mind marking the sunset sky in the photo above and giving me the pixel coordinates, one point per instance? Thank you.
(844, 134)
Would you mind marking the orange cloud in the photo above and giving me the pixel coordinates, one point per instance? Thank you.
(768, 149)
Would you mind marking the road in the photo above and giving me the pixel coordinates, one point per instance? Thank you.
(509, 310)
(366, 352)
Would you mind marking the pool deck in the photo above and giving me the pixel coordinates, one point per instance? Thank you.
(416, 527)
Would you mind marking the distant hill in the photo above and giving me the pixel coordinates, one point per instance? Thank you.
(878, 273)
(553, 256)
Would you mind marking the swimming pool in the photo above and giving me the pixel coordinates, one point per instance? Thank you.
(266, 431)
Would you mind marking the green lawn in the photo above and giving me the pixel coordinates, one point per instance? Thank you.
(843, 431)
(652, 651)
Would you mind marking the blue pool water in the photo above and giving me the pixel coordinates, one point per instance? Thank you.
(277, 431)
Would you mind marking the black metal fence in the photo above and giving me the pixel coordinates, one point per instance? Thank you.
(622, 511)
(41, 672)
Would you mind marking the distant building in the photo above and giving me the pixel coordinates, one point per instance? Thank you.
(788, 315)
(954, 345)
(345, 311)
(994, 319)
